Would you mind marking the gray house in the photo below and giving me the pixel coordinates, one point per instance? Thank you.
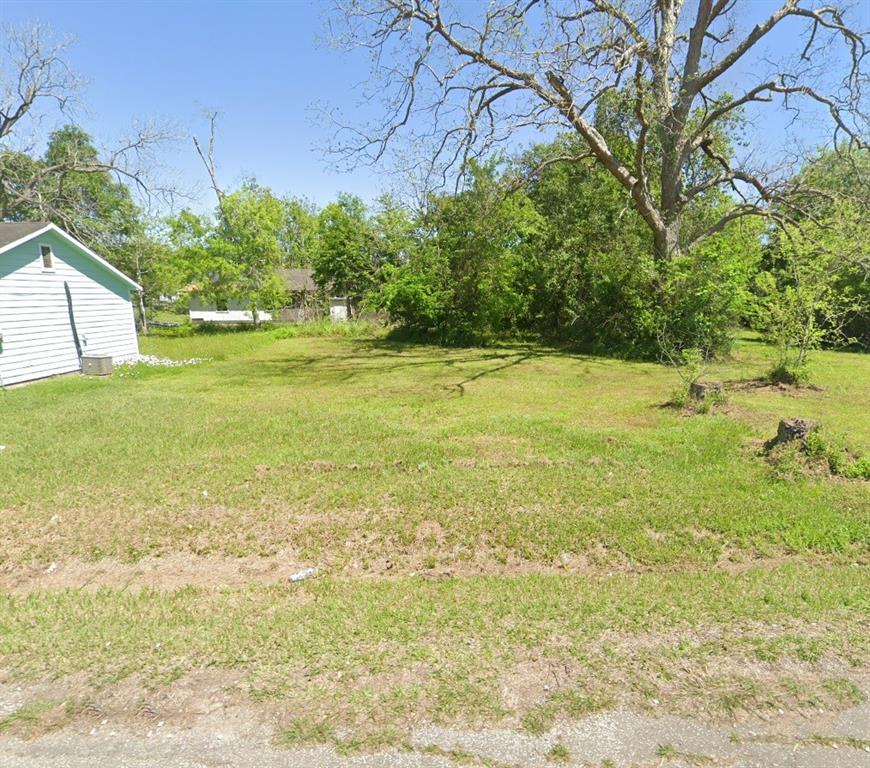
(58, 301)
(303, 305)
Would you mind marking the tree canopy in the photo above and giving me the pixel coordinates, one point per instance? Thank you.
(458, 80)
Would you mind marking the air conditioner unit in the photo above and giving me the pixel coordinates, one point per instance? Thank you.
(96, 365)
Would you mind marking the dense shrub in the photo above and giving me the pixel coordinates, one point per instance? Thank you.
(564, 258)
(462, 280)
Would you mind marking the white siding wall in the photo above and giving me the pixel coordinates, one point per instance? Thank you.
(34, 317)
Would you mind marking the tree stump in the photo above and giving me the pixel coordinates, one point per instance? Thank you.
(701, 390)
(794, 429)
(791, 429)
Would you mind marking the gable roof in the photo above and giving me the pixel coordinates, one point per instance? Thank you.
(298, 279)
(15, 233)
(12, 231)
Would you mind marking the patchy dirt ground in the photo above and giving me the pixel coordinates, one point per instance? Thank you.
(178, 570)
(172, 571)
(232, 736)
(208, 718)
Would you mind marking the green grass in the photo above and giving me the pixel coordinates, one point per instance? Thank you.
(670, 753)
(381, 652)
(26, 717)
(633, 553)
(347, 451)
(168, 316)
(559, 754)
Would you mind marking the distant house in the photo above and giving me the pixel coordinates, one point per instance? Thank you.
(230, 311)
(58, 301)
(303, 305)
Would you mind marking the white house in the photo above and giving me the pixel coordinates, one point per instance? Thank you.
(302, 292)
(231, 312)
(58, 301)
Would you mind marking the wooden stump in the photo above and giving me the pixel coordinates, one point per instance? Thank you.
(789, 430)
(701, 390)
(794, 429)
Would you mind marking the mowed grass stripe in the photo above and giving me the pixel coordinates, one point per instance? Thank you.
(344, 450)
(116, 632)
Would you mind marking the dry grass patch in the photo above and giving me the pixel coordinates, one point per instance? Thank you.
(367, 656)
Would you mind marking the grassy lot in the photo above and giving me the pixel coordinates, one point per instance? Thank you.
(514, 533)
(346, 451)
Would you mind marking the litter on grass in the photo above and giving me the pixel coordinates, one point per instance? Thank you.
(305, 573)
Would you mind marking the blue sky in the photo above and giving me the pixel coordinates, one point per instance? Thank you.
(262, 66)
(258, 64)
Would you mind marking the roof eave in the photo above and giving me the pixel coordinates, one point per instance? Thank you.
(78, 244)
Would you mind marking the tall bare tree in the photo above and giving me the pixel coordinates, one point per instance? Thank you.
(460, 78)
(37, 82)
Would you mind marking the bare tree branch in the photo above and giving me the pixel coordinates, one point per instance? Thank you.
(208, 160)
(34, 80)
(457, 81)
(32, 71)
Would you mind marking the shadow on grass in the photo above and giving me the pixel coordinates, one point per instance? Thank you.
(339, 369)
(509, 363)
(360, 357)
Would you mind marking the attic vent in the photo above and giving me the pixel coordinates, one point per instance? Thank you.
(47, 256)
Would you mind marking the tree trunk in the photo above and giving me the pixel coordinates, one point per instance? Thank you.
(667, 242)
(143, 319)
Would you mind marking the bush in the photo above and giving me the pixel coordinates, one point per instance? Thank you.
(412, 297)
(461, 281)
(180, 331)
(802, 303)
(859, 469)
(188, 329)
(820, 453)
(566, 260)
(690, 365)
(789, 372)
(350, 328)
(832, 450)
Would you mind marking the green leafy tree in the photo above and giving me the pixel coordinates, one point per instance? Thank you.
(194, 267)
(344, 257)
(813, 289)
(837, 201)
(301, 232)
(236, 255)
(251, 236)
(463, 280)
(393, 232)
(93, 206)
(801, 302)
(592, 277)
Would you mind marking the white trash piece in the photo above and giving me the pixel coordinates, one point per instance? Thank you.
(305, 573)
